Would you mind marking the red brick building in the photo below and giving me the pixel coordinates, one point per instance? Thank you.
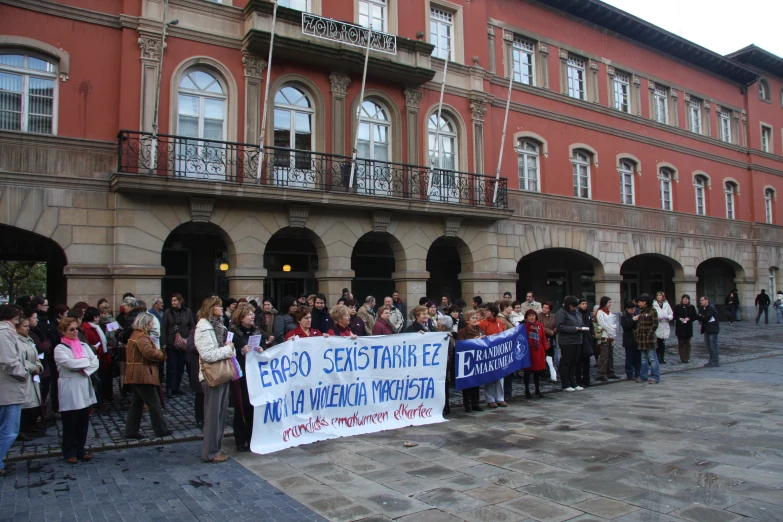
(634, 160)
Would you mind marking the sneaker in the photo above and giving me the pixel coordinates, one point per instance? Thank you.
(639, 379)
(652, 382)
(569, 389)
(613, 377)
(579, 388)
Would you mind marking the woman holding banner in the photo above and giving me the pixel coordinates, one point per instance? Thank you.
(470, 396)
(383, 326)
(493, 391)
(243, 327)
(304, 321)
(210, 340)
(421, 320)
(536, 341)
(341, 316)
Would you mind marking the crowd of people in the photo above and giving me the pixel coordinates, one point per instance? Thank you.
(71, 357)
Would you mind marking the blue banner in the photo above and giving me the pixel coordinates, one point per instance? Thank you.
(479, 361)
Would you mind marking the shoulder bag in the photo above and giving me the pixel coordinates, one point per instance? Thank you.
(218, 372)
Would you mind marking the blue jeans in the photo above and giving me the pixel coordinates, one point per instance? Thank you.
(633, 362)
(763, 310)
(649, 359)
(780, 314)
(10, 418)
(711, 340)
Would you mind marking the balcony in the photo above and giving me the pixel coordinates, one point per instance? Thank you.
(219, 168)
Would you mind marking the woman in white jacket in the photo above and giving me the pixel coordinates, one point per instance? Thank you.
(665, 314)
(75, 363)
(210, 340)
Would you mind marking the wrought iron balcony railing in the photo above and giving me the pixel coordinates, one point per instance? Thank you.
(181, 157)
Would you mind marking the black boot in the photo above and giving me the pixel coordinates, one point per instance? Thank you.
(527, 385)
(537, 381)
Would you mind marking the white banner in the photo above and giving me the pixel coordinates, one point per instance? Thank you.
(316, 388)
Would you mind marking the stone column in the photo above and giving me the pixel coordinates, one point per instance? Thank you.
(339, 84)
(489, 285)
(244, 282)
(744, 129)
(707, 123)
(150, 44)
(492, 58)
(609, 285)
(143, 281)
(543, 66)
(685, 285)
(508, 53)
(593, 95)
(412, 101)
(636, 104)
(477, 111)
(747, 289)
(332, 282)
(254, 73)
(412, 286)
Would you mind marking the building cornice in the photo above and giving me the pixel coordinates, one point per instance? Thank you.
(43, 181)
(57, 142)
(66, 11)
(185, 33)
(215, 10)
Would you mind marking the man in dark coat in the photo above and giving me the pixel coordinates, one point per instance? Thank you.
(710, 328)
(633, 357)
(684, 315)
(763, 301)
(322, 321)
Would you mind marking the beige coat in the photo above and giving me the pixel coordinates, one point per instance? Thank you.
(207, 345)
(32, 363)
(74, 385)
(13, 372)
(368, 318)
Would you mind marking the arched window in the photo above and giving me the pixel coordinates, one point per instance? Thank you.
(202, 106)
(731, 190)
(763, 90)
(581, 163)
(627, 169)
(528, 161)
(444, 158)
(699, 186)
(374, 146)
(666, 176)
(769, 198)
(294, 122)
(27, 93)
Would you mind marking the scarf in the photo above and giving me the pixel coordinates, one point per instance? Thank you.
(220, 329)
(102, 336)
(532, 336)
(76, 347)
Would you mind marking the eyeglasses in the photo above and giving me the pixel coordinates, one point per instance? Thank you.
(73, 329)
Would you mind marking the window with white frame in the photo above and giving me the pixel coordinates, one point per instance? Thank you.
(202, 107)
(627, 169)
(763, 90)
(581, 164)
(576, 77)
(299, 5)
(766, 138)
(731, 190)
(725, 126)
(622, 89)
(769, 197)
(27, 93)
(523, 55)
(660, 104)
(528, 165)
(442, 33)
(699, 186)
(293, 127)
(445, 156)
(373, 13)
(694, 115)
(666, 176)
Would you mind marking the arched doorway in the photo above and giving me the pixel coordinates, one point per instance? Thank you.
(716, 280)
(27, 248)
(373, 263)
(291, 260)
(195, 256)
(649, 274)
(444, 263)
(554, 273)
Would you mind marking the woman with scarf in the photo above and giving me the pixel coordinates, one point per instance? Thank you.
(536, 341)
(75, 363)
(470, 396)
(243, 327)
(383, 326)
(493, 391)
(356, 323)
(210, 341)
(304, 328)
(665, 314)
(342, 322)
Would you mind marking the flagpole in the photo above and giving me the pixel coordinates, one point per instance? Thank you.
(154, 142)
(437, 123)
(359, 108)
(503, 138)
(266, 97)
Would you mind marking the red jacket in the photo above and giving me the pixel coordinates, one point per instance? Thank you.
(93, 337)
(382, 327)
(536, 338)
(342, 332)
(492, 326)
(298, 331)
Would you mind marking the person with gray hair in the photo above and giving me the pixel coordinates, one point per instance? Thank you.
(157, 308)
(367, 314)
(142, 360)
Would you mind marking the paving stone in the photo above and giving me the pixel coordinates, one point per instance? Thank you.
(449, 500)
(431, 515)
(434, 473)
(540, 509)
(758, 509)
(493, 494)
(513, 480)
(557, 493)
(604, 507)
(393, 506)
(483, 470)
(491, 514)
(706, 514)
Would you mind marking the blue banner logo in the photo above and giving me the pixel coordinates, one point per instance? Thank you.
(479, 361)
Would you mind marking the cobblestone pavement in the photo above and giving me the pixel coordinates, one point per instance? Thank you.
(154, 483)
(704, 445)
(739, 342)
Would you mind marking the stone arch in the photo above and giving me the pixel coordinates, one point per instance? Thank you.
(223, 74)
(732, 180)
(529, 135)
(375, 260)
(771, 188)
(21, 42)
(669, 166)
(704, 175)
(728, 253)
(665, 248)
(717, 276)
(630, 157)
(447, 258)
(583, 146)
(396, 121)
(462, 133)
(552, 273)
(21, 244)
(650, 273)
(534, 238)
(306, 84)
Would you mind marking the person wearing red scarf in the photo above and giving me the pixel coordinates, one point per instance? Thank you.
(493, 391)
(536, 341)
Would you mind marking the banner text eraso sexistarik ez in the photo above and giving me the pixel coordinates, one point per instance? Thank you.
(317, 388)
